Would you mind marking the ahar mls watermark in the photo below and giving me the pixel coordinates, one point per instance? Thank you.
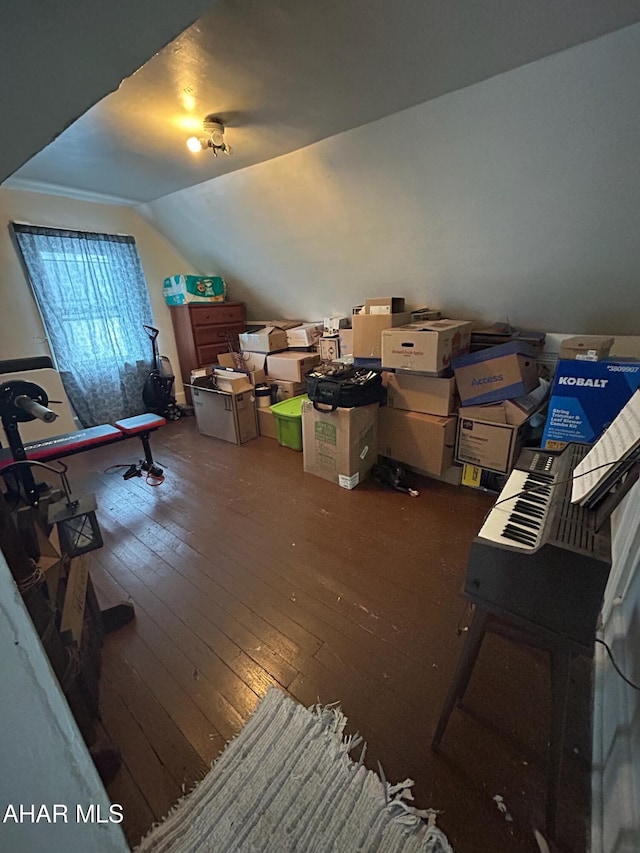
(61, 813)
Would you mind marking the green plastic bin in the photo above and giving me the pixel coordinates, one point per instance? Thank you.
(289, 421)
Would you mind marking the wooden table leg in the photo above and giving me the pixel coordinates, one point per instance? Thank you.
(463, 671)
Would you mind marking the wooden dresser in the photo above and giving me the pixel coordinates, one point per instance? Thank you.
(203, 331)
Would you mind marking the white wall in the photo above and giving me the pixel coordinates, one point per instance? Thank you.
(517, 198)
(616, 743)
(43, 758)
(21, 331)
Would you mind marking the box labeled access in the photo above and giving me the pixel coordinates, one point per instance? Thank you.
(425, 347)
(496, 373)
(586, 396)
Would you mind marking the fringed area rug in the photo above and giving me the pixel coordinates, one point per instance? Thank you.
(287, 783)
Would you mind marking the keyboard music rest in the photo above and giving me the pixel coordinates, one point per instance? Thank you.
(557, 582)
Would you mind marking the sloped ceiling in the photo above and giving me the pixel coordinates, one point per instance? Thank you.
(283, 74)
(59, 58)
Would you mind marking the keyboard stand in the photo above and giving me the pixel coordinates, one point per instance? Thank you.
(487, 617)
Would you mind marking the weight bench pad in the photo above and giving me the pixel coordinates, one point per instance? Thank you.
(140, 423)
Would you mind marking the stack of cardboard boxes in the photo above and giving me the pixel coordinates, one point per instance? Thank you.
(418, 424)
(500, 393)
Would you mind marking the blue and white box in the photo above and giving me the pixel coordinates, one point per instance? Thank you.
(586, 396)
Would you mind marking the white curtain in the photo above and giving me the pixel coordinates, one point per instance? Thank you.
(93, 299)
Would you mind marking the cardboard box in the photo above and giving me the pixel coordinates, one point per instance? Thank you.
(291, 365)
(346, 342)
(583, 348)
(305, 335)
(277, 324)
(340, 446)
(181, 289)
(268, 339)
(586, 396)
(496, 373)
(514, 412)
(221, 414)
(425, 442)
(426, 347)
(267, 423)
(367, 332)
(415, 392)
(329, 348)
(229, 380)
(384, 305)
(250, 362)
(286, 389)
(489, 445)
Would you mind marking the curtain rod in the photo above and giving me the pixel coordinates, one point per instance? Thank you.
(76, 230)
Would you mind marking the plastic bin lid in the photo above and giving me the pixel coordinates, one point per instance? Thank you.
(291, 408)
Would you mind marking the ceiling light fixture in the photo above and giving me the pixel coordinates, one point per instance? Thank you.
(214, 141)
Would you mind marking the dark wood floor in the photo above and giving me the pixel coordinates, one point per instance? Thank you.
(246, 572)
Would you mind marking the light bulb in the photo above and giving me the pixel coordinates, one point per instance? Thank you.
(194, 144)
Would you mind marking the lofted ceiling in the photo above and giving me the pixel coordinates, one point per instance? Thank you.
(283, 74)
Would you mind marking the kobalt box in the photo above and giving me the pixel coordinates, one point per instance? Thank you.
(586, 396)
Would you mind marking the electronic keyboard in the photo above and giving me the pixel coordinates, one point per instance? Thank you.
(539, 556)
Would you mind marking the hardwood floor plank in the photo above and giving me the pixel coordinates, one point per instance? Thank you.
(245, 572)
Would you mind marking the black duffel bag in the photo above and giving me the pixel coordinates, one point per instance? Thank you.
(343, 385)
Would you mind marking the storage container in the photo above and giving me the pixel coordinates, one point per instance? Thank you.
(289, 421)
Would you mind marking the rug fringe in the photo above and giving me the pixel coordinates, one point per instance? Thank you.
(335, 722)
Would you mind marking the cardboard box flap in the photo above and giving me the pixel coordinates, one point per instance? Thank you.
(511, 348)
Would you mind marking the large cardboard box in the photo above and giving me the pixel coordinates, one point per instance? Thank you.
(426, 347)
(267, 339)
(415, 392)
(586, 396)
(496, 373)
(489, 445)
(340, 446)
(367, 332)
(291, 365)
(223, 415)
(425, 442)
(586, 348)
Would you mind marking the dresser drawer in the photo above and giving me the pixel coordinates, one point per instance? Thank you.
(209, 353)
(205, 315)
(215, 334)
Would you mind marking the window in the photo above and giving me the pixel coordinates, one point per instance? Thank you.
(93, 299)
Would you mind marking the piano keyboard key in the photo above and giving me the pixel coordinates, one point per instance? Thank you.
(518, 516)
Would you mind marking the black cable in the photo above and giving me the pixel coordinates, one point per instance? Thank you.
(615, 665)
